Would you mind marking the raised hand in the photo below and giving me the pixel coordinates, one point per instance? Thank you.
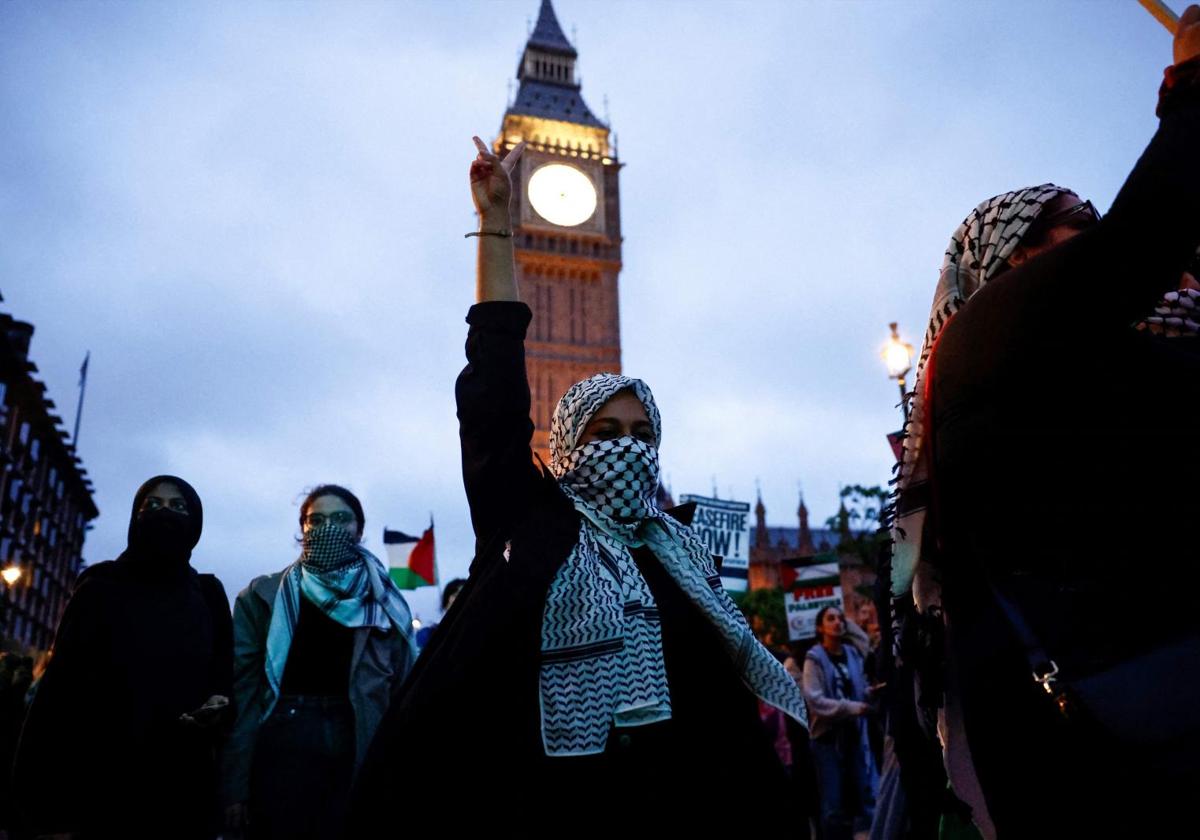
(1187, 35)
(491, 180)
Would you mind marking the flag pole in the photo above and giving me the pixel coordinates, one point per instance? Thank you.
(83, 370)
(437, 579)
(1162, 13)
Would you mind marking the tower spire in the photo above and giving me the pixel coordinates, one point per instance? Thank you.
(804, 541)
(549, 58)
(548, 34)
(761, 538)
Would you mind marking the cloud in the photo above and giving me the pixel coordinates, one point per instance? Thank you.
(252, 215)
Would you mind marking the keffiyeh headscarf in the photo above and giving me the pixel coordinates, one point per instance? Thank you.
(343, 580)
(977, 253)
(602, 659)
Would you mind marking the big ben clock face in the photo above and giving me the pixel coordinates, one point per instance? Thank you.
(562, 195)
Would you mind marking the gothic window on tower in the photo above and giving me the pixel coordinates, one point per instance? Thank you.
(547, 306)
(571, 295)
(584, 294)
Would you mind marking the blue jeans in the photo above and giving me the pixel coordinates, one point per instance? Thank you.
(846, 780)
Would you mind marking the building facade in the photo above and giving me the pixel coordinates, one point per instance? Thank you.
(567, 223)
(773, 549)
(45, 499)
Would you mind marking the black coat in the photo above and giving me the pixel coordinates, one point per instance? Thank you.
(1065, 473)
(466, 734)
(103, 752)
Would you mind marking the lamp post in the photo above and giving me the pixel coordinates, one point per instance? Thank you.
(897, 355)
(10, 575)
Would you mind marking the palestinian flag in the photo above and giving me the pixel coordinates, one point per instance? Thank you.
(410, 559)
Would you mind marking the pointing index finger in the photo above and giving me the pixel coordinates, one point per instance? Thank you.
(482, 147)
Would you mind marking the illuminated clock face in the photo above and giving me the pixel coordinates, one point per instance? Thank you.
(562, 195)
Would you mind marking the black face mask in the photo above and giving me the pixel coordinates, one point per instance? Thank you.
(163, 535)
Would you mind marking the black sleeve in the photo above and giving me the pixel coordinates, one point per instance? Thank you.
(1101, 281)
(493, 415)
(221, 673)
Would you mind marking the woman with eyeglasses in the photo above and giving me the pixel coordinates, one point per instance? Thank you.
(121, 737)
(1049, 464)
(320, 650)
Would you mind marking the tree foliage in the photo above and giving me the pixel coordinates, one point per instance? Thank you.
(765, 611)
(857, 522)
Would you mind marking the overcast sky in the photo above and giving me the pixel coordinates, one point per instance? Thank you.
(252, 215)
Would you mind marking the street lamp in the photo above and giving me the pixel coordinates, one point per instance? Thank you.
(897, 355)
(11, 574)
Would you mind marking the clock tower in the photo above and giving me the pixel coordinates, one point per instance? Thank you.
(566, 225)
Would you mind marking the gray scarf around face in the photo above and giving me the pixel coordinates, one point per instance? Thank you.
(602, 660)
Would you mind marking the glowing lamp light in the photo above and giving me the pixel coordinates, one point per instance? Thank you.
(11, 574)
(416, 624)
(562, 194)
(897, 355)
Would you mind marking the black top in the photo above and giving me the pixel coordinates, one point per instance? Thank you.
(143, 640)
(1065, 472)
(318, 662)
(844, 686)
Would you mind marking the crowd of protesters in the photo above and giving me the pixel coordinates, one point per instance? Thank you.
(592, 674)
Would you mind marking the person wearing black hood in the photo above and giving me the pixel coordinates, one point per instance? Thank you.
(120, 739)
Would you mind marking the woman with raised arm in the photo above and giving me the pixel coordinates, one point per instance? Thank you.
(1049, 465)
(593, 672)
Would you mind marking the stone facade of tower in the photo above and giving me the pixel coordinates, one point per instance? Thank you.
(567, 223)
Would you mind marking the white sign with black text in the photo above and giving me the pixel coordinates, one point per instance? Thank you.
(725, 528)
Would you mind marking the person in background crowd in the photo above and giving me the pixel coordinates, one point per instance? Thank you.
(836, 690)
(1030, 333)
(120, 738)
(320, 651)
(449, 593)
(593, 655)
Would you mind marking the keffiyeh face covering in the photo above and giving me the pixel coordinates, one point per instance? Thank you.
(602, 660)
(617, 478)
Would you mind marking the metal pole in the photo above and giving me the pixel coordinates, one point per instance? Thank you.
(903, 401)
(79, 408)
(1162, 13)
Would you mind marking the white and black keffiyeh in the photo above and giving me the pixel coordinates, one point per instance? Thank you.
(1176, 315)
(343, 580)
(602, 660)
(977, 253)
